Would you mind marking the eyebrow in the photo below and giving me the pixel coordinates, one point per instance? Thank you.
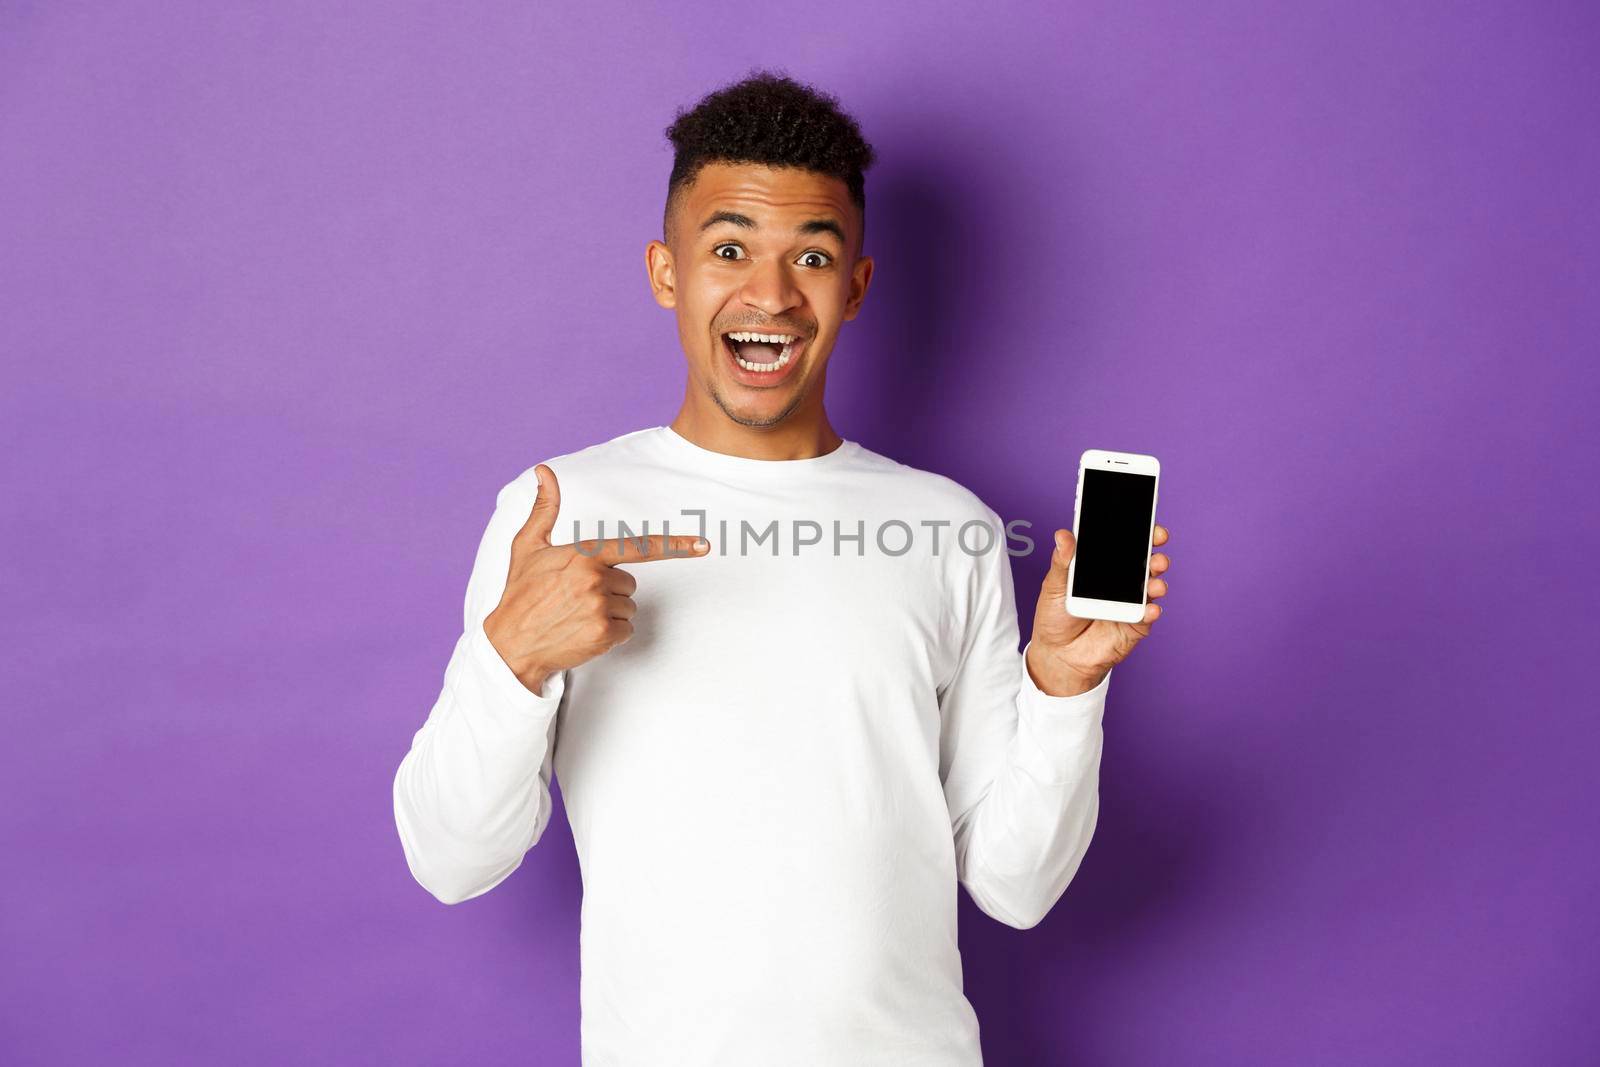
(810, 226)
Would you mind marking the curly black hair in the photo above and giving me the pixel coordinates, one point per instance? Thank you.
(769, 118)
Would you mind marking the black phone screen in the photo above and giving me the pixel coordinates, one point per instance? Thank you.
(1113, 554)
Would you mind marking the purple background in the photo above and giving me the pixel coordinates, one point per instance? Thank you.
(287, 294)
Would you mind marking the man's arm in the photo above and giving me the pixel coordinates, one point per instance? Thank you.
(472, 796)
(1020, 768)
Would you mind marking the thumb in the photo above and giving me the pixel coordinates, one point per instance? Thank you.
(542, 519)
(1055, 581)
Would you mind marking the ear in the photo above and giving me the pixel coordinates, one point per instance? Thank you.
(860, 278)
(663, 280)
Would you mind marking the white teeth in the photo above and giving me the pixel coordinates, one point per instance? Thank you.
(788, 350)
(775, 338)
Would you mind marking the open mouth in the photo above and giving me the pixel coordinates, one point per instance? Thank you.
(761, 353)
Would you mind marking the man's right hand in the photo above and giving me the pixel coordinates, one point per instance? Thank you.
(563, 606)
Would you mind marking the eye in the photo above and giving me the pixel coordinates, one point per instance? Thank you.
(821, 255)
(717, 251)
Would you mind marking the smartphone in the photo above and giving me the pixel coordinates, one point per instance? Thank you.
(1114, 521)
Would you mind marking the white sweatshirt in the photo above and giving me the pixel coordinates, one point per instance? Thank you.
(776, 783)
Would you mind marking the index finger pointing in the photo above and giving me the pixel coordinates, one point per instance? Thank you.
(614, 550)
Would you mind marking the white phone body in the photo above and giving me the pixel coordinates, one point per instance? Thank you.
(1114, 525)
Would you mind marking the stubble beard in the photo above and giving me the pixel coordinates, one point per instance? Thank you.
(755, 423)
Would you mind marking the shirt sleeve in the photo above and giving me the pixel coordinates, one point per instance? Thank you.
(472, 795)
(1020, 768)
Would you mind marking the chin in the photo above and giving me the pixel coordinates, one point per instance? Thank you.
(759, 416)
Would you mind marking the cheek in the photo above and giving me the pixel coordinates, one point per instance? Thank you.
(702, 305)
(696, 314)
(828, 296)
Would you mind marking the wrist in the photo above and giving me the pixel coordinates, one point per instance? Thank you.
(1055, 679)
(534, 680)
(532, 676)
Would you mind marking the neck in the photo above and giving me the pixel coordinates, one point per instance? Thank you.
(803, 435)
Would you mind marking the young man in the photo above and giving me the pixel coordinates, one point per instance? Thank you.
(780, 745)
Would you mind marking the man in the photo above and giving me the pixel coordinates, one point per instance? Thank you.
(784, 734)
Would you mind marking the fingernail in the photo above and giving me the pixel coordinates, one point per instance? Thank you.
(701, 544)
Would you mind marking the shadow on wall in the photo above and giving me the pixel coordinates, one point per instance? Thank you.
(1170, 829)
(919, 233)
(1190, 799)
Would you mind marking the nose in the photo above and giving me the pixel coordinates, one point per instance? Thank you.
(770, 287)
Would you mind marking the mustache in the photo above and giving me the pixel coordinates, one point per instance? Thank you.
(797, 329)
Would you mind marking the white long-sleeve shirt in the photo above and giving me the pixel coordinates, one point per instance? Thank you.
(775, 785)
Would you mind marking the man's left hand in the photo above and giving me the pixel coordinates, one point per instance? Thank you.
(1069, 655)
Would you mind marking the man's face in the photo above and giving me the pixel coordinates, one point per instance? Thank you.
(756, 249)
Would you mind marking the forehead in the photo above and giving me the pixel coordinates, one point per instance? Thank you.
(772, 197)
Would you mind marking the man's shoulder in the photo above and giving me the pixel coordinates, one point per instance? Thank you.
(938, 494)
(621, 452)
